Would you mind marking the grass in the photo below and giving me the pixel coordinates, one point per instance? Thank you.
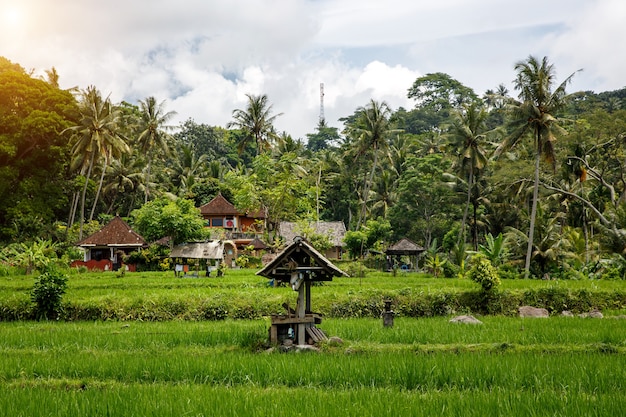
(559, 366)
(241, 294)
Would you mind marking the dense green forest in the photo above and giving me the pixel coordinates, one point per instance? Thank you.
(535, 177)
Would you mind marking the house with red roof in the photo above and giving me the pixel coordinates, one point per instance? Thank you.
(240, 226)
(104, 249)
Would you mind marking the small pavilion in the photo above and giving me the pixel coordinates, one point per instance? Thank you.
(403, 247)
(299, 265)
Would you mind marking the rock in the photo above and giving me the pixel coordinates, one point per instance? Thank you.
(567, 313)
(595, 314)
(620, 317)
(465, 319)
(307, 348)
(528, 311)
(335, 341)
(287, 342)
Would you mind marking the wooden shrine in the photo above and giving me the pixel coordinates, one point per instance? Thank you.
(299, 265)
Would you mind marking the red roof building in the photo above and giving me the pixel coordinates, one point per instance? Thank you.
(104, 249)
(238, 225)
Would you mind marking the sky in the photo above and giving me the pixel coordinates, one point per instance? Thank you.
(203, 56)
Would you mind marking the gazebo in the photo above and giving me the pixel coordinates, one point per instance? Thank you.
(299, 265)
(403, 247)
(208, 251)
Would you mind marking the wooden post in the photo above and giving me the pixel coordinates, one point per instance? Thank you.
(308, 296)
(300, 313)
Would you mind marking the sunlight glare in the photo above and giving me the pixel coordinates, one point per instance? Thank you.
(12, 16)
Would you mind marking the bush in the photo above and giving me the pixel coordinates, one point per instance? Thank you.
(47, 293)
(482, 272)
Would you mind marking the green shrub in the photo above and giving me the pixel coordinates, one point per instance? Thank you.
(47, 292)
(482, 272)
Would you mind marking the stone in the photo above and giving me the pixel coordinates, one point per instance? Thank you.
(567, 313)
(335, 341)
(533, 312)
(307, 348)
(465, 319)
(595, 314)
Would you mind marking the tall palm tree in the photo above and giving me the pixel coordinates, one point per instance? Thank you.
(256, 122)
(153, 132)
(535, 115)
(372, 129)
(96, 135)
(186, 169)
(124, 177)
(467, 135)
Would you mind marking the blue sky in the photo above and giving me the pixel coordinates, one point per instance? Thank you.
(203, 57)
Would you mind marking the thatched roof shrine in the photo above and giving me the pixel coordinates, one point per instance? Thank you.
(405, 247)
(302, 258)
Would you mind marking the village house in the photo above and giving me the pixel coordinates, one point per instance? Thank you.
(239, 226)
(104, 249)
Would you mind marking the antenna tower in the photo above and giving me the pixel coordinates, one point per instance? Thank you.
(322, 118)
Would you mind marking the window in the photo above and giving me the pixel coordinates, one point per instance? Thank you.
(217, 222)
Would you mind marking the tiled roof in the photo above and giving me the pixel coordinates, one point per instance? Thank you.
(219, 206)
(116, 233)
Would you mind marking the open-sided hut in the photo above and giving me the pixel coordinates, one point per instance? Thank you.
(211, 252)
(299, 265)
(404, 247)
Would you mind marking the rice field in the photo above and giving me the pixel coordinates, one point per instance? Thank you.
(420, 367)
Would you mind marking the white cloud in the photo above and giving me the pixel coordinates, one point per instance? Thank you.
(203, 57)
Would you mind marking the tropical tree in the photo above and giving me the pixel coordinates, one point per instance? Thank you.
(256, 122)
(97, 134)
(468, 135)
(186, 169)
(371, 130)
(153, 132)
(535, 115)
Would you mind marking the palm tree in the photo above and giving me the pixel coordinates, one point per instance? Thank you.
(153, 132)
(467, 134)
(186, 169)
(371, 129)
(256, 122)
(535, 115)
(96, 134)
(124, 177)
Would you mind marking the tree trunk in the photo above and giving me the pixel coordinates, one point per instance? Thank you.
(533, 213)
(467, 204)
(366, 191)
(82, 200)
(148, 180)
(95, 202)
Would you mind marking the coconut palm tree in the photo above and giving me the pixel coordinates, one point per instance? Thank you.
(534, 115)
(96, 135)
(186, 169)
(371, 129)
(468, 135)
(256, 122)
(153, 132)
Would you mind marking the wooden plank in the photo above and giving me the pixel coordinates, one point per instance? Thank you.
(292, 320)
(316, 334)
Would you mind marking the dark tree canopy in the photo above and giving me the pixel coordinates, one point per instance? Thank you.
(33, 152)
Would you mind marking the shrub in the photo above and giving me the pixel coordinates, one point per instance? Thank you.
(48, 291)
(482, 272)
